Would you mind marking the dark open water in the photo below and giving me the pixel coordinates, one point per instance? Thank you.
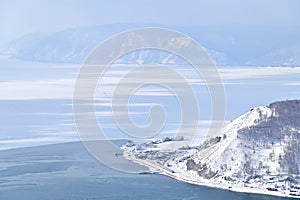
(67, 171)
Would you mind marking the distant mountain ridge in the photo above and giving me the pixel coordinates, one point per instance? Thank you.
(288, 56)
(226, 45)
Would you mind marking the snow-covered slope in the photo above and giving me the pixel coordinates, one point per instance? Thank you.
(259, 149)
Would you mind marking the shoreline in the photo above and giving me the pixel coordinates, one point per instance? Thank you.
(155, 167)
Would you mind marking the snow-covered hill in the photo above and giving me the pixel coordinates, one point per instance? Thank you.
(260, 149)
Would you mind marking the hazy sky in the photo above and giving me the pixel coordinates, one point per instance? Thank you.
(18, 17)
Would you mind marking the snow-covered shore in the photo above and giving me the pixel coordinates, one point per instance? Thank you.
(173, 168)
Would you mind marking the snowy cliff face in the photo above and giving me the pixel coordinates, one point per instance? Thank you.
(260, 147)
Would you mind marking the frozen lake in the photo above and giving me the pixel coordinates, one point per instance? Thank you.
(36, 99)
